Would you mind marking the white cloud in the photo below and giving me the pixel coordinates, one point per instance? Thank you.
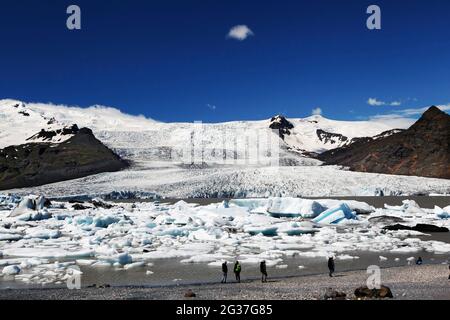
(240, 32)
(418, 111)
(377, 103)
(317, 112)
(404, 118)
(211, 106)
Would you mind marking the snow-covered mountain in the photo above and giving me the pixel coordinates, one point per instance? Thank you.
(313, 134)
(154, 149)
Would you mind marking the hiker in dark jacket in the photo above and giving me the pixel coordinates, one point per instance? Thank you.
(331, 265)
(224, 272)
(237, 271)
(419, 261)
(263, 269)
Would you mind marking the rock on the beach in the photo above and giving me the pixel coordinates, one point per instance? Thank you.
(365, 292)
(334, 295)
(190, 294)
(11, 270)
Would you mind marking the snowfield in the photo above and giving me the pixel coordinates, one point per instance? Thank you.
(43, 243)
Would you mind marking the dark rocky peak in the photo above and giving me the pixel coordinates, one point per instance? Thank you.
(49, 135)
(281, 124)
(422, 150)
(431, 119)
(329, 137)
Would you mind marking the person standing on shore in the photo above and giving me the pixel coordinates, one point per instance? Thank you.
(224, 272)
(237, 271)
(263, 269)
(331, 265)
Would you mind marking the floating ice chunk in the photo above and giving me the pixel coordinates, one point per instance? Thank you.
(250, 204)
(124, 259)
(207, 258)
(267, 231)
(105, 221)
(408, 206)
(11, 270)
(282, 266)
(335, 215)
(84, 262)
(102, 264)
(134, 265)
(35, 215)
(148, 272)
(25, 206)
(301, 267)
(296, 228)
(30, 263)
(57, 253)
(294, 207)
(407, 249)
(383, 258)
(441, 213)
(10, 237)
(257, 260)
(42, 233)
(346, 257)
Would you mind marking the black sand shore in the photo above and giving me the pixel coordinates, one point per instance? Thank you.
(407, 283)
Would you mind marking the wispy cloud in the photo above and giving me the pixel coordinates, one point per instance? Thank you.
(404, 118)
(211, 106)
(240, 32)
(377, 103)
(316, 112)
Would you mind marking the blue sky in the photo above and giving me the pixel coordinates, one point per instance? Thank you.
(171, 60)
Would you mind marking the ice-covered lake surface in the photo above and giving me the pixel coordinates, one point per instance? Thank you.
(151, 243)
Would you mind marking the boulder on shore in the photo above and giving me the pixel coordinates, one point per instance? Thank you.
(381, 293)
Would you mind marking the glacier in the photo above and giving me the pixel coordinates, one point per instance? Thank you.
(157, 170)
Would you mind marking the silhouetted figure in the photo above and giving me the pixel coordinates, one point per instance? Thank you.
(237, 271)
(449, 272)
(224, 272)
(331, 265)
(263, 269)
(419, 261)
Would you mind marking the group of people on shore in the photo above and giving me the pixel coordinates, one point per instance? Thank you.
(237, 271)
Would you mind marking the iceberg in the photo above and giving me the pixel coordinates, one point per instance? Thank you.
(442, 213)
(294, 207)
(336, 215)
(11, 270)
